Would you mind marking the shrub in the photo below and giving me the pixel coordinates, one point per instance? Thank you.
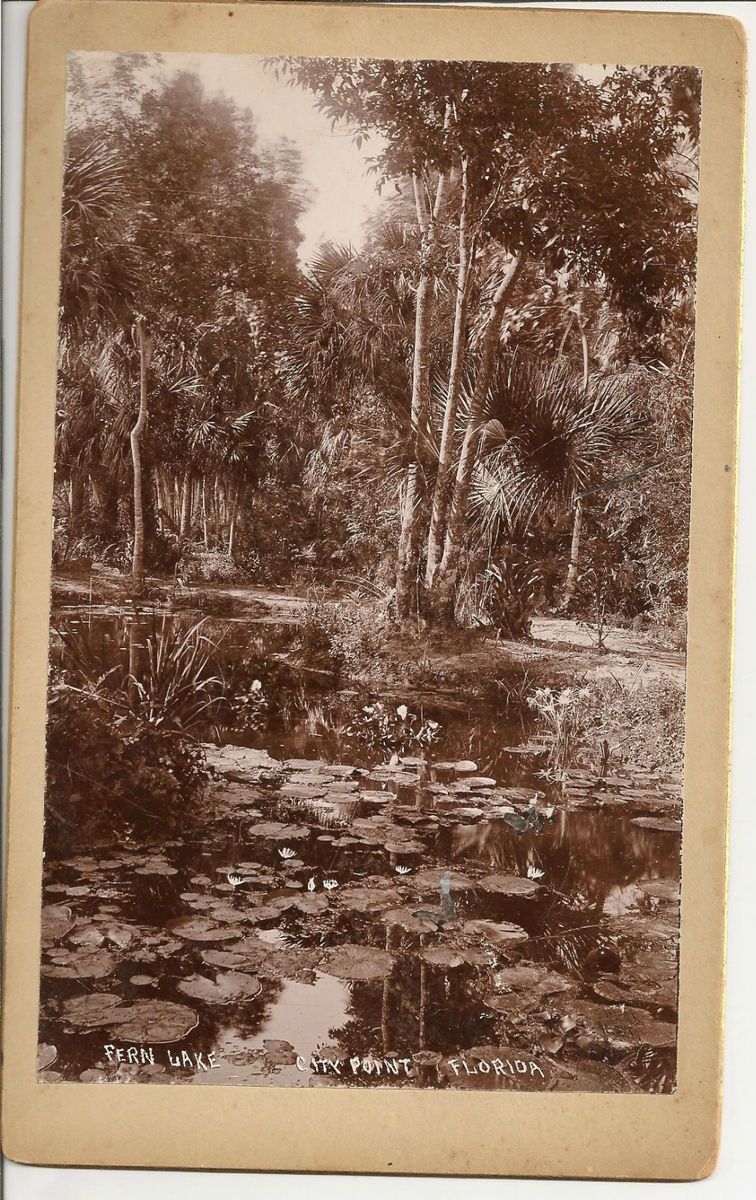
(643, 722)
(210, 566)
(344, 638)
(109, 773)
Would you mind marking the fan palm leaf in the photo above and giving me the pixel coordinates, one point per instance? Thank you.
(547, 438)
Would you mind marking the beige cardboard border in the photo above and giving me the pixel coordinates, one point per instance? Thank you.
(403, 1131)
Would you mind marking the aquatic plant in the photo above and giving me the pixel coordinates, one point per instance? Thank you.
(565, 715)
(394, 729)
(163, 671)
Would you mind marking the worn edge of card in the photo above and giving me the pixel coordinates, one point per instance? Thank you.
(412, 1132)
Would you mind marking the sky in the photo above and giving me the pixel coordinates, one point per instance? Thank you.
(335, 172)
(343, 193)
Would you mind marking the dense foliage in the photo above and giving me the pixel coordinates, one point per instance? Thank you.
(483, 413)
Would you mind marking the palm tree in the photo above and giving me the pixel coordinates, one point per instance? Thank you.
(547, 440)
(99, 281)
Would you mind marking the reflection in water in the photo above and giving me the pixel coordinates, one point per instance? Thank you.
(597, 940)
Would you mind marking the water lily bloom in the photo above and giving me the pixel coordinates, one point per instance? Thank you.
(402, 711)
(403, 870)
(330, 884)
(234, 879)
(256, 686)
(311, 884)
(535, 873)
(287, 852)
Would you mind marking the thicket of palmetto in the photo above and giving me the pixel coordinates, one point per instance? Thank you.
(442, 414)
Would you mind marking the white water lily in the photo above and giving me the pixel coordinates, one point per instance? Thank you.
(535, 873)
(403, 870)
(330, 884)
(311, 884)
(287, 852)
(234, 879)
(402, 711)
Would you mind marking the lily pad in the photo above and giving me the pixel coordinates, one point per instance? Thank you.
(87, 935)
(278, 831)
(91, 1010)
(244, 956)
(409, 847)
(310, 903)
(509, 885)
(46, 1055)
(530, 977)
(197, 929)
(366, 899)
(376, 797)
(429, 879)
(358, 962)
(402, 918)
(512, 1004)
(299, 792)
(156, 868)
(621, 1028)
(230, 987)
(240, 762)
(120, 935)
(57, 921)
(154, 1021)
(279, 1053)
(81, 963)
(498, 933)
(449, 960)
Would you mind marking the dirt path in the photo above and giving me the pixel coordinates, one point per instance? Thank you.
(631, 657)
(629, 654)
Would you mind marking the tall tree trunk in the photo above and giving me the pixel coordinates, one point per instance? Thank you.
(446, 579)
(186, 509)
(572, 570)
(444, 479)
(217, 513)
(145, 344)
(406, 566)
(577, 521)
(158, 508)
(75, 503)
(205, 530)
(233, 506)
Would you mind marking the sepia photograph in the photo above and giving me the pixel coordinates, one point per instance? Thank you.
(370, 540)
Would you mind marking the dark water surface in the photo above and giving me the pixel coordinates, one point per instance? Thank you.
(586, 990)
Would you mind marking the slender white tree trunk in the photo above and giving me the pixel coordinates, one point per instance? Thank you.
(145, 344)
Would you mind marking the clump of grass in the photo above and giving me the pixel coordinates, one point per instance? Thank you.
(158, 669)
(643, 722)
